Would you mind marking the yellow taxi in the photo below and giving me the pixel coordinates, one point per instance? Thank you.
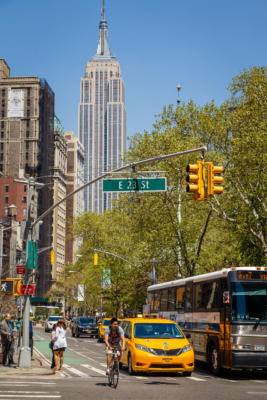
(103, 326)
(156, 345)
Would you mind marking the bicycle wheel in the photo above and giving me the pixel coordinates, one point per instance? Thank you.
(115, 374)
(110, 377)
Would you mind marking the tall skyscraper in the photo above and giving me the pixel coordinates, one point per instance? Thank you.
(102, 119)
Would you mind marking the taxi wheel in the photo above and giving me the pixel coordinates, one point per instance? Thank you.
(130, 365)
(187, 373)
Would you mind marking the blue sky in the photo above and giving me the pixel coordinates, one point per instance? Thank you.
(200, 44)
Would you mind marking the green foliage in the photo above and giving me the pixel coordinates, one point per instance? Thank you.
(184, 237)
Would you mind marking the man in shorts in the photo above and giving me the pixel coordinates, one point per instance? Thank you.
(114, 338)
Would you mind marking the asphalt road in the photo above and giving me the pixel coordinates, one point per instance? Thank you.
(83, 377)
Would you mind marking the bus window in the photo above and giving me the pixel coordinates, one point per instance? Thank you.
(189, 297)
(171, 299)
(207, 296)
(180, 299)
(156, 307)
(150, 300)
(164, 300)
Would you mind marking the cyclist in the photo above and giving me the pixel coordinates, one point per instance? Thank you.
(114, 338)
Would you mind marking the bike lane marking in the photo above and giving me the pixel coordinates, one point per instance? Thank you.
(76, 371)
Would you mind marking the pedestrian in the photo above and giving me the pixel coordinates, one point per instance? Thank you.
(7, 338)
(31, 337)
(51, 345)
(59, 343)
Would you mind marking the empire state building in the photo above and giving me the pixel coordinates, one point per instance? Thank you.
(102, 119)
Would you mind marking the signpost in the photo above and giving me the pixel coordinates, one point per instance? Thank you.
(27, 289)
(135, 185)
(20, 269)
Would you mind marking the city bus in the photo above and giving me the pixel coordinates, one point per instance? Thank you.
(224, 313)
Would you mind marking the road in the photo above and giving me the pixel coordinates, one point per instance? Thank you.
(84, 377)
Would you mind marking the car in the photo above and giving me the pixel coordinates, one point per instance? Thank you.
(84, 327)
(156, 345)
(50, 322)
(103, 326)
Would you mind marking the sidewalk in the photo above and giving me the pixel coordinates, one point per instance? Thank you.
(38, 368)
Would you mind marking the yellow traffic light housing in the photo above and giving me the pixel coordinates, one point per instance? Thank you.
(214, 179)
(52, 256)
(95, 259)
(17, 287)
(196, 180)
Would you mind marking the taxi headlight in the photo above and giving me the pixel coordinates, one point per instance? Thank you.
(144, 348)
(186, 348)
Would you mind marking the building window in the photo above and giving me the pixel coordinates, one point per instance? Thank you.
(3, 92)
(2, 134)
(1, 157)
(28, 124)
(29, 92)
(6, 200)
(2, 146)
(1, 167)
(27, 133)
(28, 102)
(3, 103)
(24, 212)
(2, 124)
(28, 113)
(25, 188)
(7, 188)
(3, 113)
(27, 145)
(24, 200)
(6, 211)
(27, 156)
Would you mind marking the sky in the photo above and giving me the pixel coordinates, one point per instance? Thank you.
(198, 44)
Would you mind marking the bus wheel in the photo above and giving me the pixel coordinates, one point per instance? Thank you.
(214, 359)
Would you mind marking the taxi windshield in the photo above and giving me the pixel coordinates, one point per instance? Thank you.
(157, 331)
(106, 322)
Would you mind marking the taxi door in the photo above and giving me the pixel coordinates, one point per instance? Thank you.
(127, 327)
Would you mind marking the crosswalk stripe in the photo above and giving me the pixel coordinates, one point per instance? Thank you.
(33, 396)
(76, 371)
(141, 377)
(24, 392)
(99, 371)
(196, 379)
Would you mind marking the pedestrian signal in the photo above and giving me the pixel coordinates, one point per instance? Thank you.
(7, 286)
(196, 180)
(214, 178)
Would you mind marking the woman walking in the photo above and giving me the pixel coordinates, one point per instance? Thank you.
(59, 343)
(51, 344)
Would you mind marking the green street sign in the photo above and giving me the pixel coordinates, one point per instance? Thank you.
(135, 185)
(32, 255)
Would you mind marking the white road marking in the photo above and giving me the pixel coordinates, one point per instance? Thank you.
(257, 381)
(76, 371)
(27, 382)
(141, 378)
(196, 379)
(257, 393)
(99, 371)
(170, 379)
(24, 392)
(32, 396)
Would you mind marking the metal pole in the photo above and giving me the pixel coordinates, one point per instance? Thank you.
(132, 165)
(25, 351)
(154, 275)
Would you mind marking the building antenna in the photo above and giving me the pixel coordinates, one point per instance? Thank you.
(103, 10)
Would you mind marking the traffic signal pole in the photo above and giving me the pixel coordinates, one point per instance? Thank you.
(25, 351)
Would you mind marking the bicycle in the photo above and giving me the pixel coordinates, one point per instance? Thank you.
(113, 378)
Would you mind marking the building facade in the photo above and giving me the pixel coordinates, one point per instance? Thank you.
(102, 119)
(27, 148)
(75, 179)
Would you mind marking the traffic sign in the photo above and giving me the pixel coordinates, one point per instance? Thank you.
(135, 185)
(20, 269)
(32, 255)
(27, 289)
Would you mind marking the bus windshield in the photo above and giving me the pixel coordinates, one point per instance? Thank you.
(249, 301)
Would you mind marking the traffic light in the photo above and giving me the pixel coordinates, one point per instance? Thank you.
(196, 179)
(17, 288)
(214, 178)
(11, 286)
(95, 259)
(52, 256)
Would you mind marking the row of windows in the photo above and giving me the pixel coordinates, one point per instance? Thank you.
(24, 199)
(204, 296)
(28, 92)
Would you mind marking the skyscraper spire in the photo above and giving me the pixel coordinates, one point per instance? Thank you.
(103, 47)
(103, 10)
